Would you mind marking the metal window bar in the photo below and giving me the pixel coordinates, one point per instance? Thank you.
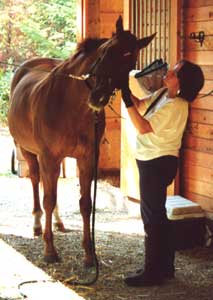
(147, 17)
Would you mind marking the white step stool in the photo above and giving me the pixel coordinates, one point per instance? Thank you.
(188, 222)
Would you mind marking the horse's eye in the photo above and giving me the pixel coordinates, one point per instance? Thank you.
(127, 54)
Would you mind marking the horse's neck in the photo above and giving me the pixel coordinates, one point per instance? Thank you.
(78, 64)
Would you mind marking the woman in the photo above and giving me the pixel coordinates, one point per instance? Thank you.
(160, 130)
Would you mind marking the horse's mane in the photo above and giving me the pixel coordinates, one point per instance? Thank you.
(88, 45)
(53, 85)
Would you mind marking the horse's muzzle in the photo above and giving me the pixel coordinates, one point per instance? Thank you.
(100, 95)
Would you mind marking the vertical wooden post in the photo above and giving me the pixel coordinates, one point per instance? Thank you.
(175, 54)
(126, 14)
(80, 20)
(175, 32)
(91, 15)
(88, 18)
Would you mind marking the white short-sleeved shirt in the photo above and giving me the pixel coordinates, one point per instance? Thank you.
(168, 120)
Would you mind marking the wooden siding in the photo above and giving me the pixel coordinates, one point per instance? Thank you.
(197, 151)
(109, 13)
(97, 19)
(109, 160)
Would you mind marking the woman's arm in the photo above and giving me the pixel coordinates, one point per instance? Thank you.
(142, 125)
(140, 103)
(135, 107)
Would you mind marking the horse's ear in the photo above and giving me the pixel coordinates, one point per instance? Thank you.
(119, 26)
(142, 43)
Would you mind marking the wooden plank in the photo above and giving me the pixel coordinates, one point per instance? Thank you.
(198, 187)
(204, 13)
(108, 21)
(175, 41)
(208, 71)
(200, 130)
(111, 6)
(203, 103)
(110, 149)
(197, 158)
(91, 19)
(200, 57)
(126, 14)
(113, 124)
(205, 26)
(197, 144)
(196, 172)
(205, 202)
(197, 3)
(79, 20)
(208, 86)
(201, 116)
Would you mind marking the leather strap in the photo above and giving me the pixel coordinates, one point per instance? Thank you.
(154, 102)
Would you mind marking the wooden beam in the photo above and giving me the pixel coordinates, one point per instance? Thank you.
(126, 14)
(175, 53)
(175, 30)
(89, 18)
(80, 20)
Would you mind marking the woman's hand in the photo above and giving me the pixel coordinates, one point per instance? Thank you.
(127, 97)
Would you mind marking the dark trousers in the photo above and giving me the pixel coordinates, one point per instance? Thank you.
(155, 175)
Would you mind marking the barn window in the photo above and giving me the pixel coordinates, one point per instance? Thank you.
(147, 17)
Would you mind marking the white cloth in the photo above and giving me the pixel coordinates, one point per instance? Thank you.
(168, 120)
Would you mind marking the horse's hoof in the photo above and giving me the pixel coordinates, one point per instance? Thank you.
(50, 259)
(37, 231)
(59, 227)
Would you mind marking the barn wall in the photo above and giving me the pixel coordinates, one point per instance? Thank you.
(97, 19)
(109, 12)
(110, 147)
(197, 153)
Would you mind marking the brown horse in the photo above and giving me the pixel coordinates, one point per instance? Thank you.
(49, 117)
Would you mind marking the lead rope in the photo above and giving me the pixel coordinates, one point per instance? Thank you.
(95, 178)
(95, 161)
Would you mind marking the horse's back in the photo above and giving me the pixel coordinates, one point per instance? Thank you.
(40, 63)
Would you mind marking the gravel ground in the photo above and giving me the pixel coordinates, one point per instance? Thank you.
(119, 244)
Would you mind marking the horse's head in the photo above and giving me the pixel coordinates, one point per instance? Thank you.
(116, 58)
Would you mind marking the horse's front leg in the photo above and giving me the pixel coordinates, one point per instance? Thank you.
(85, 178)
(50, 169)
(34, 175)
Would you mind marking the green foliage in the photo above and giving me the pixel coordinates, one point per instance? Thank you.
(29, 28)
(5, 78)
(51, 29)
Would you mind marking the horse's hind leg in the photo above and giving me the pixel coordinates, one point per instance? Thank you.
(59, 225)
(85, 178)
(35, 178)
